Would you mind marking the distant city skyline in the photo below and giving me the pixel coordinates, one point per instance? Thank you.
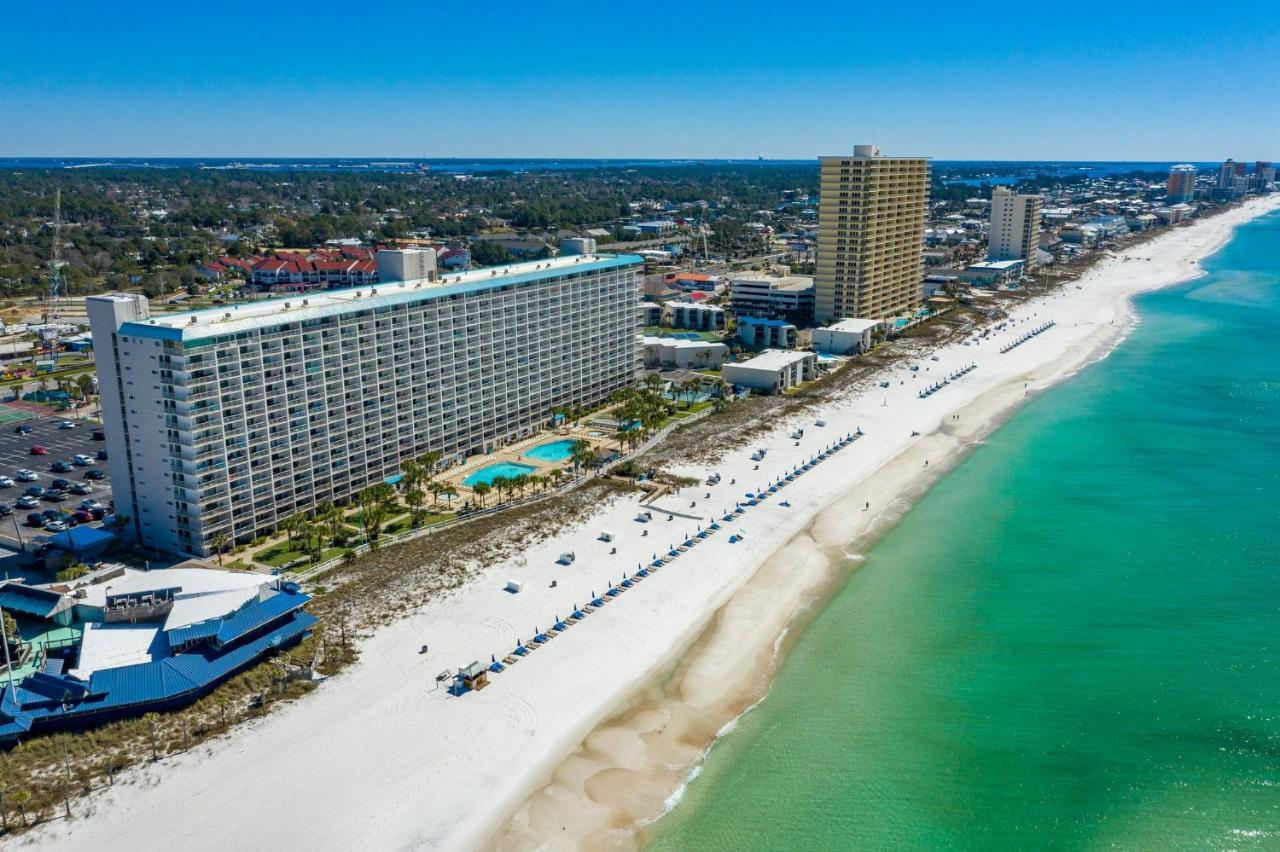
(719, 80)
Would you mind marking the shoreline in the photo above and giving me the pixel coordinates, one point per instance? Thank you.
(559, 751)
(634, 769)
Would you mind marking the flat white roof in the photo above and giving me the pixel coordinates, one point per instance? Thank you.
(110, 646)
(854, 325)
(202, 607)
(775, 282)
(192, 581)
(699, 305)
(773, 359)
(999, 265)
(677, 342)
(233, 318)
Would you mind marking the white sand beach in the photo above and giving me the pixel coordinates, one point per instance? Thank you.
(595, 730)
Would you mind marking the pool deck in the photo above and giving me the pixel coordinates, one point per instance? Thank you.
(514, 453)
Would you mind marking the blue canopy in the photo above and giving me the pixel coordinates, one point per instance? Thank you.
(82, 538)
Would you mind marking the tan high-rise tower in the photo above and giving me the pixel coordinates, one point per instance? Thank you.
(1015, 227)
(871, 215)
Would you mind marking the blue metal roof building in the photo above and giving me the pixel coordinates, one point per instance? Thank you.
(213, 651)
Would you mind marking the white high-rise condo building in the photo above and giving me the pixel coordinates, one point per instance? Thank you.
(871, 215)
(1015, 227)
(227, 421)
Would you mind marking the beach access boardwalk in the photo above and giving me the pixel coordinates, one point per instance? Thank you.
(465, 677)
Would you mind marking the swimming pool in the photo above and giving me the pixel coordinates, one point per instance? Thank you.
(553, 451)
(487, 475)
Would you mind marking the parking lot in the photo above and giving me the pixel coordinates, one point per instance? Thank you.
(63, 445)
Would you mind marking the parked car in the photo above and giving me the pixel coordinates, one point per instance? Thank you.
(37, 450)
(35, 519)
(81, 488)
(51, 515)
(66, 424)
(95, 474)
(99, 435)
(81, 460)
(98, 514)
(102, 455)
(56, 526)
(5, 510)
(6, 482)
(91, 505)
(35, 491)
(61, 466)
(54, 494)
(22, 429)
(82, 516)
(25, 475)
(64, 484)
(25, 502)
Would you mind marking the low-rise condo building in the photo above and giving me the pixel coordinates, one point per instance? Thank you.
(695, 315)
(225, 422)
(760, 333)
(674, 353)
(847, 337)
(777, 296)
(772, 371)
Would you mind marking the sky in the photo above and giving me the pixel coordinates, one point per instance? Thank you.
(1129, 80)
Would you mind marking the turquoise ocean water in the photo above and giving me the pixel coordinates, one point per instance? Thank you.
(1072, 642)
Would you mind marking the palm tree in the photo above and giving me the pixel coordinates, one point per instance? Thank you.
(84, 382)
(219, 543)
(521, 482)
(581, 453)
(688, 388)
(312, 539)
(414, 498)
(429, 460)
(500, 484)
(480, 489)
(653, 382)
(375, 502)
(331, 515)
(448, 492)
(436, 490)
(412, 474)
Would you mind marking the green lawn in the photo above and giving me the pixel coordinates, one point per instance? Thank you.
(405, 523)
(281, 554)
(693, 409)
